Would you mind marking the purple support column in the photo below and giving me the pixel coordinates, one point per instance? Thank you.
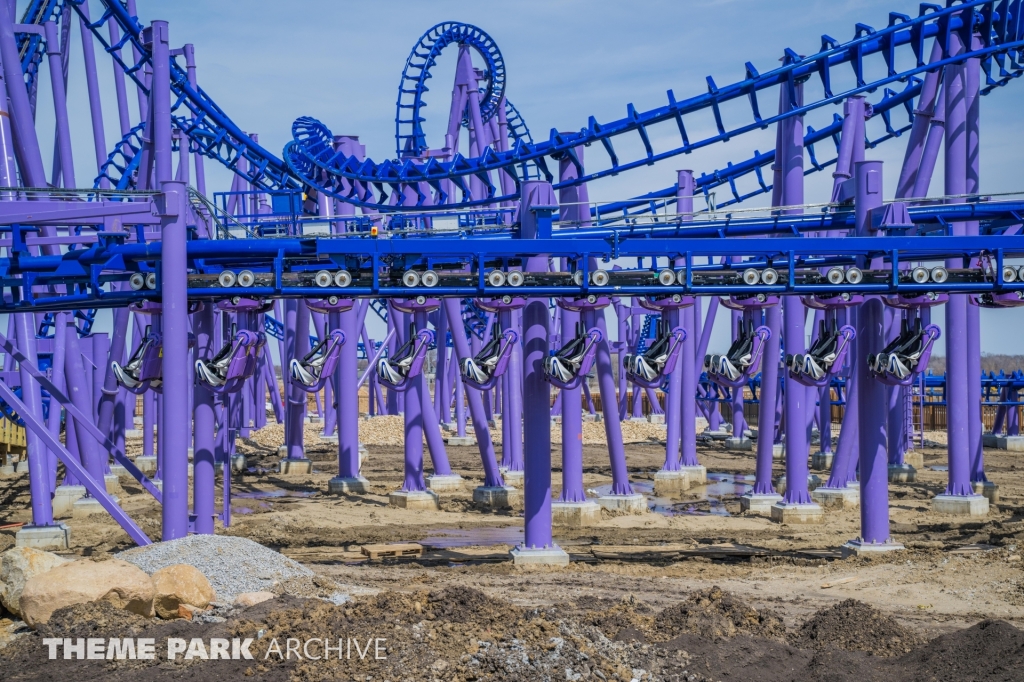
(513, 401)
(414, 482)
(612, 425)
(204, 477)
(346, 378)
(673, 408)
(958, 394)
(174, 436)
(979, 481)
(39, 485)
(873, 408)
(538, 546)
(572, 433)
(763, 496)
(78, 390)
(796, 505)
(297, 345)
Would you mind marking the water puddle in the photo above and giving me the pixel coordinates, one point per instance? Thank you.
(449, 538)
(705, 500)
(939, 468)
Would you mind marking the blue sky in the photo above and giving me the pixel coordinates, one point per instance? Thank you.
(266, 63)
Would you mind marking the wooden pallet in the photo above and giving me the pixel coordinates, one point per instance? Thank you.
(410, 550)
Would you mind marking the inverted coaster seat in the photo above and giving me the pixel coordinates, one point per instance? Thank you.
(907, 355)
(484, 369)
(567, 367)
(742, 361)
(825, 358)
(395, 372)
(651, 368)
(318, 365)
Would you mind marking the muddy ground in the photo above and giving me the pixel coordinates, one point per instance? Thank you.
(463, 612)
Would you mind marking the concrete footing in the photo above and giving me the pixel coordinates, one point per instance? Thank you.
(739, 444)
(548, 556)
(87, 506)
(121, 472)
(860, 548)
(960, 505)
(7, 469)
(986, 489)
(146, 463)
(797, 513)
(513, 478)
(697, 474)
(348, 486)
(420, 499)
(295, 467)
(57, 536)
(21, 466)
(822, 461)
(112, 483)
(778, 451)
(837, 498)
(630, 504)
(496, 497)
(902, 473)
(667, 482)
(460, 440)
(450, 483)
(239, 464)
(813, 483)
(721, 434)
(914, 459)
(1011, 443)
(759, 504)
(657, 418)
(64, 496)
(575, 514)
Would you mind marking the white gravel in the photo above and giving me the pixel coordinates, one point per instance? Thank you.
(232, 565)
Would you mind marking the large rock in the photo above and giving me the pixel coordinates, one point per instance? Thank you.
(253, 598)
(119, 582)
(180, 585)
(17, 566)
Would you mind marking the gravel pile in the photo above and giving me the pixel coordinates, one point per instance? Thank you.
(232, 565)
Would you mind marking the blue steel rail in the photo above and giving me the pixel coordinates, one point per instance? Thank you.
(311, 155)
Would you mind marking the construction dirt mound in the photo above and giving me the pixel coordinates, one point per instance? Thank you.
(854, 626)
(465, 634)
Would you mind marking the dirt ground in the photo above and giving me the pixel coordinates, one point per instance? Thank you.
(959, 580)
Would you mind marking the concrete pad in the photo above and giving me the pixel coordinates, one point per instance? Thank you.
(632, 504)
(987, 489)
(822, 461)
(121, 472)
(64, 496)
(112, 483)
(333, 438)
(860, 548)
(444, 484)
(21, 466)
(721, 434)
(797, 513)
(989, 440)
(421, 499)
(239, 463)
(1010, 443)
(914, 459)
(460, 440)
(133, 433)
(739, 444)
(575, 514)
(513, 478)
(759, 504)
(496, 497)
(697, 474)
(837, 498)
(295, 467)
(45, 538)
(902, 473)
(347, 486)
(7, 470)
(87, 506)
(778, 451)
(548, 556)
(668, 482)
(596, 417)
(960, 505)
(146, 463)
(656, 418)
